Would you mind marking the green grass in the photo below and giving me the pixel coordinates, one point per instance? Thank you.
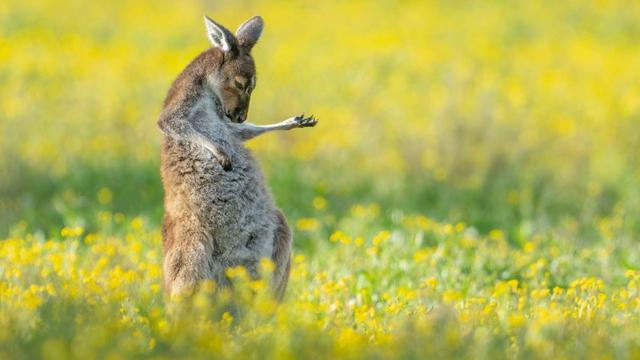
(472, 189)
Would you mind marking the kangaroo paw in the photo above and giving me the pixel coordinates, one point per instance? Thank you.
(302, 121)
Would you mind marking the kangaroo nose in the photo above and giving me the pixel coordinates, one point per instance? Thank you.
(242, 117)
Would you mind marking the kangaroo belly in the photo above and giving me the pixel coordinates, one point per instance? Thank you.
(233, 207)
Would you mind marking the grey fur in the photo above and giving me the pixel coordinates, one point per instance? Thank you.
(218, 211)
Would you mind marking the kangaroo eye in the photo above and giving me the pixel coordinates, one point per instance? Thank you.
(239, 85)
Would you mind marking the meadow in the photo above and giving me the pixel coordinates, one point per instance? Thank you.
(472, 189)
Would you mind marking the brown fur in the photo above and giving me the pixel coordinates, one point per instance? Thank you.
(218, 211)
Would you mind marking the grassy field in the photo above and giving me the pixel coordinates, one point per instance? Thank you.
(472, 189)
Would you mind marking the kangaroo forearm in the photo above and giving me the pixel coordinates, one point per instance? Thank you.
(182, 129)
(246, 131)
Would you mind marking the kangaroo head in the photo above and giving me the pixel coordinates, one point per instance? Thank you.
(235, 79)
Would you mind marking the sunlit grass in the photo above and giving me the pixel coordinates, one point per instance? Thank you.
(471, 189)
(417, 288)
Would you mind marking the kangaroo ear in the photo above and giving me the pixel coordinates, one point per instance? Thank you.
(249, 32)
(220, 37)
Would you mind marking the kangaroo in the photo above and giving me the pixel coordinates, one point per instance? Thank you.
(218, 213)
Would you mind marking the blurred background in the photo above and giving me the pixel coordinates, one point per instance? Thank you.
(517, 115)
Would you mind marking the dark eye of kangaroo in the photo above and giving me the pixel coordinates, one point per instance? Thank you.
(239, 85)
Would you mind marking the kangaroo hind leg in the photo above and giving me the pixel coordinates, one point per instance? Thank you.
(187, 257)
